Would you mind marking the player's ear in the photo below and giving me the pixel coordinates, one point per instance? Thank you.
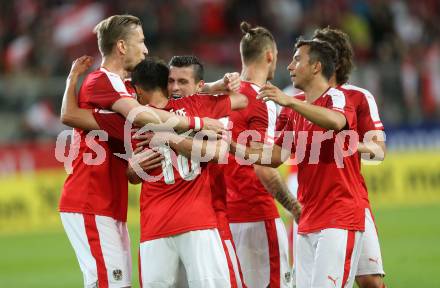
(317, 67)
(269, 56)
(121, 46)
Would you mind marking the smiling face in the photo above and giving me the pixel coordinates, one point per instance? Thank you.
(136, 50)
(300, 69)
(181, 82)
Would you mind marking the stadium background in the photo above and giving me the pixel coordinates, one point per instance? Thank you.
(397, 50)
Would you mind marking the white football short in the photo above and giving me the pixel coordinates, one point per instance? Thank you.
(370, 261)
(201, 252)
(102, 246)
(263, 250)
(235, 274)
(327, 258)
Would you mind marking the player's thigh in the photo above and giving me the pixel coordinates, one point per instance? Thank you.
(283, 250)
(74, 227)
(370, 261)
(305, 256)
(159, 261)
(336, 257)
(262, 248)
(233, 262)
(252, 248)
(116, 250)
(182, 281)
(102, 247)
(204, 258)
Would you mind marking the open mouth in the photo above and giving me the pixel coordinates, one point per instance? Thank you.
(176, 96)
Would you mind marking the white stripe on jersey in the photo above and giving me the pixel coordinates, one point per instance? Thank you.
(116, 82)
(103, 111)
(271, 117)
(374, 112)
(338, 98)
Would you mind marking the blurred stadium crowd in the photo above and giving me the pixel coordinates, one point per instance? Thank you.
(396, 42)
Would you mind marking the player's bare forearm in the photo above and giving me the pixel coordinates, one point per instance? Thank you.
(274, 184)
(71, 115)
(216, 86)
(229, 82)
(199, 149)
(160, 120)
(269, 156)
(321, 116)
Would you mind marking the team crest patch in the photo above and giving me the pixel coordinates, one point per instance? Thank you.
(117, 274)
(287, 277)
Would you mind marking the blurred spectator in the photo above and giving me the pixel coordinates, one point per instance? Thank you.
(396, 43)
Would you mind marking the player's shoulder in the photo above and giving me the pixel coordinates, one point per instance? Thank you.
(249, 89)
(351, 89)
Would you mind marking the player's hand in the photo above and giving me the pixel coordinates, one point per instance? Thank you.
(81, 65)
(213, 125)
(270, 92)
(147, 159)
(232, 81)
(296, 211)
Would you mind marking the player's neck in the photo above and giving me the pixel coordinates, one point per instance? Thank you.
(157, 99)
(115, 66)
(333, 82)
(254, 74)
(315, 90)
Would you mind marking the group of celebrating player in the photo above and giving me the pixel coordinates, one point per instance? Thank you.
(208, 215)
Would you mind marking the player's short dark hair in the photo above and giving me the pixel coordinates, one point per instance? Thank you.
(254, 42)
(151, 74)
(323, 52)
(341, 42)
(112, 29)
(187, 61)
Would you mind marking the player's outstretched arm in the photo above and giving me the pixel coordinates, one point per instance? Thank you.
(321, 116)
(71, 115)
(270, 156)
(229, 82)
(142, 115)
(274, 184)
(194, 148)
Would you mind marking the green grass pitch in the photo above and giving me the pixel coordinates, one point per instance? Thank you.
(409, 238)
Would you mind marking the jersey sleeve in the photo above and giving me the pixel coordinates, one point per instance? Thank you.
(338, 102)
(286, 136)
(368, 116)
(212, 106)
(107, 89)
(111, 122)
(262, 118)
(283, 118)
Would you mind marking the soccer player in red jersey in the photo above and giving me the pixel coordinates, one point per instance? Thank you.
(93, 203)
(370, 270)
(200, 249)
(332, 219)
(185, 79)
(258, 232)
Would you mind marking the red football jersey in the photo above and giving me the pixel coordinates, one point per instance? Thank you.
(329, 195)
(368, 119)
(181, 199)
(247, 199)
(98, 188)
